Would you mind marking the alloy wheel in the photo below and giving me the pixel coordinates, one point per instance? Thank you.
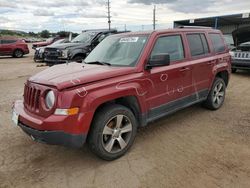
(218, 94)
(117, 133)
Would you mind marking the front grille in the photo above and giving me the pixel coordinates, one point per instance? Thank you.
(242, 55)
(31, 97)
(52, 53)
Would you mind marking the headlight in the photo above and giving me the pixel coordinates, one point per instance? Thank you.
(50, 99)
(65, 53)
(231, 53)
(37, 49)
(41, 50)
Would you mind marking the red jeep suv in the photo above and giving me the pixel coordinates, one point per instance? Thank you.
(13, 47)
(127, 81)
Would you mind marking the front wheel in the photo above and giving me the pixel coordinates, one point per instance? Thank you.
(216, 95)
(112, 132)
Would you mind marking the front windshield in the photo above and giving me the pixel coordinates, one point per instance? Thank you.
(118, 50)
(84, 37)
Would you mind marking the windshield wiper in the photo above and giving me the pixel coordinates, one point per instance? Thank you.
(98, 63)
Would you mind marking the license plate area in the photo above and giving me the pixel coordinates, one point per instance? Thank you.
(15, 117)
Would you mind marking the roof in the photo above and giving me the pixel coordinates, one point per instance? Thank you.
(235, 19)
(100, 30)
(175, 30)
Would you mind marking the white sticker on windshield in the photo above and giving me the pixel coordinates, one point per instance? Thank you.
(129, 39)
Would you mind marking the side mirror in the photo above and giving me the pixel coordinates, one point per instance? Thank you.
(158, 60)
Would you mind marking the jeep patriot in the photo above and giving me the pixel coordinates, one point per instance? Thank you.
(127, 81)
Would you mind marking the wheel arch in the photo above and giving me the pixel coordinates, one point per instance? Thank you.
(130, 101)
(223, 75)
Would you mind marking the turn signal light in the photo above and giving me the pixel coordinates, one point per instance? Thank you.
(66, 112)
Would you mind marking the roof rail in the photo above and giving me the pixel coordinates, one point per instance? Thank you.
(194, 27)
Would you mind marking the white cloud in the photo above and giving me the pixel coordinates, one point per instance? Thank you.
(76, 15)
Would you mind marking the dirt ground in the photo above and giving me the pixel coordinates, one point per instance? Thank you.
(192, 148)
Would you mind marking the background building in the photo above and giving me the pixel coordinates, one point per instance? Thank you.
(230, 25)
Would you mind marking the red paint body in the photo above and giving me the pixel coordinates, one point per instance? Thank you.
(45, 43)
(9, 48)
(89, 86)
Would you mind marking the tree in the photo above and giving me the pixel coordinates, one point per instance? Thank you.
(45, 34)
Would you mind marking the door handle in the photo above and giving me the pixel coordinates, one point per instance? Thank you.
(184, 69)
(211, 62)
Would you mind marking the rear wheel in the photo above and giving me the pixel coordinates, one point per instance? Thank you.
(18, 53)
(112, 132)
(234, 70)
(217, 94)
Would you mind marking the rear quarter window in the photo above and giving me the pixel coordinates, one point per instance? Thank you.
(217, 42)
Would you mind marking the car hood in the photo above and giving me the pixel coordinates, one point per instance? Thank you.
(69, 75)
(241, 35)
(63, 46)
(40, 43)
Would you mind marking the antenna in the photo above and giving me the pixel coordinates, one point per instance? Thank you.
(109, 21)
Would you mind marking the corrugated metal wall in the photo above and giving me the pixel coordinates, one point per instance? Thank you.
(228, 29)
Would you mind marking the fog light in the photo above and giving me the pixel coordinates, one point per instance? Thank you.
(66, 112)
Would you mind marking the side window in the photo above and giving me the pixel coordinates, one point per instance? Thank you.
(217, 42)
(171, 45)
(197, 44)
(8, 41)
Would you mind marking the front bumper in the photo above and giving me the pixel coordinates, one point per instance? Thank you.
(240, 64)
(56, 130)
(54, 137)
(55, 61)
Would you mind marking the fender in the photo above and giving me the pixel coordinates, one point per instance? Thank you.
(94, 99)
(220, 68)
(78, 51)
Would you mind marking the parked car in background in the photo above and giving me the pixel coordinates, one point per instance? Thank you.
(45, 43)
(126, 82)
(77, 49)
(241, 57)
(39, 53)
(229, 41)
(241, 53)
(13, 47)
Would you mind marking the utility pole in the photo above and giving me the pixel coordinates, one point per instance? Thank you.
(125, 27)
(109, 21)
(154, 18)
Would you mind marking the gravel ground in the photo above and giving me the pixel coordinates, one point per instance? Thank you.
(192, 148)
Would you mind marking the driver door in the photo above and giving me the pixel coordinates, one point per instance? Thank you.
(170, 83)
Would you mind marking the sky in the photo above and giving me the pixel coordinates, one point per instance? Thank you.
(78, 15)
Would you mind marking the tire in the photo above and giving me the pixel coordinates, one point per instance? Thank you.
(108, 138)
(18, 53)
(78, 58)
(216, 95)
(234, 70)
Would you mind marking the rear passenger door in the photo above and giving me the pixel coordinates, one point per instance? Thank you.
(202, 63)
(6, 46)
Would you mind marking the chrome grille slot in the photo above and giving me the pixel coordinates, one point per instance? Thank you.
(31, 97)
